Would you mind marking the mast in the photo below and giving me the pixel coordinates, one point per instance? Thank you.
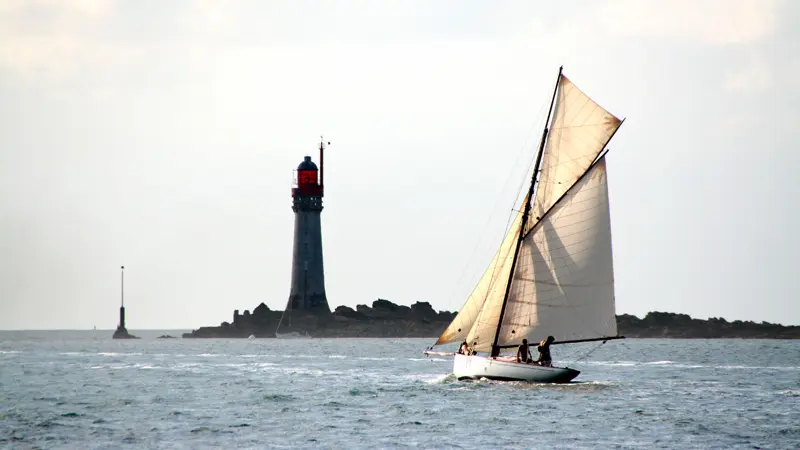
(525, 214)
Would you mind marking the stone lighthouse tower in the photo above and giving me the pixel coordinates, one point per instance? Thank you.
(308, 277)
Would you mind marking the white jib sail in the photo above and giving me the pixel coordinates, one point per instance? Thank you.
(578, 132)
(563, 283)
(491, 287)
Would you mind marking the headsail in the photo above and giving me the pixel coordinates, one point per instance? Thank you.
(491, 287)
(579, 131)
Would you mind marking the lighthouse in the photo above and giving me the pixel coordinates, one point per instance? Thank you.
(307, 292)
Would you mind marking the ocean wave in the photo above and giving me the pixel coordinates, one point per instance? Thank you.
(673, 364)
(279, 398)
(307, 371)
(608, 363)
(443, 379)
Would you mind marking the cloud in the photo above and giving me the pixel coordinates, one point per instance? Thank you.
(55, 39)
(49, 36)
(714, 22)
(754, 77)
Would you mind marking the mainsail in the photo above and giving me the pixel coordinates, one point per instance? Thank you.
(563, 285)
(563, 280)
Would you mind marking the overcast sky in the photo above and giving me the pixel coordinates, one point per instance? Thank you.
(163, 136)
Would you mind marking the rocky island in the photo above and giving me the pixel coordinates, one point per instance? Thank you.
(383, 319)
(388, 320)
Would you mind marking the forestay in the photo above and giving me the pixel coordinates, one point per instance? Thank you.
(491, 288)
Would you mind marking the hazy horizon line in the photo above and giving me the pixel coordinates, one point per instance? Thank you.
(202, 326)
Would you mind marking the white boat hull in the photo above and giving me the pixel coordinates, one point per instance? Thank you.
(477, 367)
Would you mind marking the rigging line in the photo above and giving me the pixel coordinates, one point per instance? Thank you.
(521, 151)
(582, 358)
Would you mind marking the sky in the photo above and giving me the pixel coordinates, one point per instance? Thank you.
(162, 136)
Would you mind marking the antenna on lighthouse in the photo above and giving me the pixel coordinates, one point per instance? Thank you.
(322, 163)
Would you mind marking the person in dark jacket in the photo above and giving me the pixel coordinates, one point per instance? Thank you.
(544, 352)
(523, 354)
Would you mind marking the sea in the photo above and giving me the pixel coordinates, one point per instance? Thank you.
(81, 389)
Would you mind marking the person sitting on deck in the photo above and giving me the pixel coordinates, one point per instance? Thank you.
(523, 354)
(464, 349)
(544, 352)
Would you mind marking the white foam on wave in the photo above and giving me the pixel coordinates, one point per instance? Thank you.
(118, 354)
(673, 364)
(306, 371)
(371, 358)
(740, 367)
(613, 363)
(442, 379)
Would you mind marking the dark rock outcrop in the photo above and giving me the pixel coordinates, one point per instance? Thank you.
(122, 333)
(672, 325)
(383, 319)
(348, 312)
(386, 319)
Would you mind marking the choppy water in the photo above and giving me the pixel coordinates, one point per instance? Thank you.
(81, 389)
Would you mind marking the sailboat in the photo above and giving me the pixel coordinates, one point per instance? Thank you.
(553, 273)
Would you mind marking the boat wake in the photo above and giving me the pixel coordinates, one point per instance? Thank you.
(444, 379)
